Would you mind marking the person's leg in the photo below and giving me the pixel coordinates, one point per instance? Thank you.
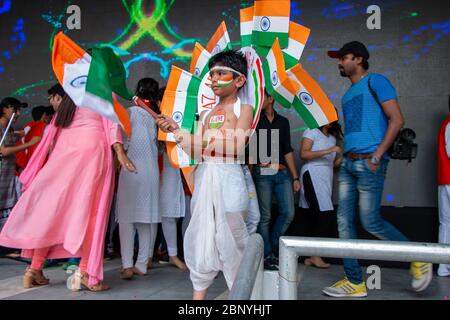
(346, 215)
(169, 226)
(144, 234)
(126, 234)
(33, 274)
(286, 211)
(153, 234)
(264, 189)
(444, 224)
(370, 187)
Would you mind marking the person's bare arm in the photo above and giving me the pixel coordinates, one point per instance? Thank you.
(123, 158)
(392, 111)
(7, 151)
(306, 154)
(289, 157)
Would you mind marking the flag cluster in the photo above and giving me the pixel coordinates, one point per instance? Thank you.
(266, 26)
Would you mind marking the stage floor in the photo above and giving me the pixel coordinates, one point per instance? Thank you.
(165, 282)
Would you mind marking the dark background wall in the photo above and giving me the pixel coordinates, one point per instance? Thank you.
(412, 49)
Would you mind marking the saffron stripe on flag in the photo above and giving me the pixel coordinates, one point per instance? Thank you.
(220, 40)
(298, 36)
(246, 26)
(280, 8)
(199, 62)
(313, 98)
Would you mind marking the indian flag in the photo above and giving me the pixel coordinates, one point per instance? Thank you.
(279, 86)
(220, 40)
(311, 102)
(177, 157)
(92, 82)
(298, 36)
(271, 21)
(180, 100)
(246, 26)
(199, 62)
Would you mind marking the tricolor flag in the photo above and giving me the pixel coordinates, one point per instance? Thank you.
(279, 86)
(298, 36)
(199, 62)
(220, 40)
(180, 101)
(246, 26)
(311, 102)
(92, 82)
(177, 157)
(271, 21)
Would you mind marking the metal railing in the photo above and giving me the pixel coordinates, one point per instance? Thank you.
(293, 247)
(249, 280)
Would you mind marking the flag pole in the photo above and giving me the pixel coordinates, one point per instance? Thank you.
(4, 136)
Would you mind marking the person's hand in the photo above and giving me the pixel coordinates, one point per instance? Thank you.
(296, 185)
(166, 124)
(2, 149)
(33, 141)
(126, 163)
(372, 167)
(336, 149)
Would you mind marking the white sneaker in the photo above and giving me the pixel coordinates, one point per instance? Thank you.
(422, 273)
(444, 270)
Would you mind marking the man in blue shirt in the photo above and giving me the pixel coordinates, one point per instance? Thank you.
(372, 119)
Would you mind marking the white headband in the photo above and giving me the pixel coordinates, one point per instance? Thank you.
(226, 69)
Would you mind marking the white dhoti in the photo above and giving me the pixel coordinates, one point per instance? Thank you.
(217, 235)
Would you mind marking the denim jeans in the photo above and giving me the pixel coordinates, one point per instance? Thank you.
(360, 187)
(279, 184)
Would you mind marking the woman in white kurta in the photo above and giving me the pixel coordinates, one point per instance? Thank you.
(138, 193)
(172, 206)
(318, 150)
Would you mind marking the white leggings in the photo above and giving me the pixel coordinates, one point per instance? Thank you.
(444, 215)
(147, 235)
(169, 226)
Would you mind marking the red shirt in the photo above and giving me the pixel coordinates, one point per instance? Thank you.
(443, 159)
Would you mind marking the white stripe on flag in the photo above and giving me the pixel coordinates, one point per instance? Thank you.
(271, 24)
(103, 107)
(178, 110)
(294, 49)
(222, 44)
(278, 86)
(184, 81)
(202, 62)
(309, 102)
(246, 28)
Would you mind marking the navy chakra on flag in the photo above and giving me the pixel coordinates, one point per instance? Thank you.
(306, 98)
(197, 72)
(177, 117)
(274, 78)
(265, 24)
(216, 50)
(79, 82)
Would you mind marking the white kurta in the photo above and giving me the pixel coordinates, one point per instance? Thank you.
(138, 194)
(172, 202)
(320, 169)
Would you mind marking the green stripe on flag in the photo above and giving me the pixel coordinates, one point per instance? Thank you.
(246, 41)
(266, 39)
(191, 103)
(304, 113)
(255, 81)
(289, 61)
(271, 90)
(262, 51)
(106, 75)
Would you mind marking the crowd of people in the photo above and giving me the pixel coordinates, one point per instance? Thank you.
(69, 177)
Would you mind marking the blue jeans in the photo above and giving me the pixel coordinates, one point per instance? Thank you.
(359, 186)
(279, 184)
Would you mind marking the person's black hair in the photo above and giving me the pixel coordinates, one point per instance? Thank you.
(49, 111)
(267, 94)
(148, 89)
(335, 130)
(161, 93)
(364, 62)
(65, 113)
(11, 102)
(38, 112)
(231, 59)
(57, 89)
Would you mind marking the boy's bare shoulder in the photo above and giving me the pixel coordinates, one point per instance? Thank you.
(246, 108)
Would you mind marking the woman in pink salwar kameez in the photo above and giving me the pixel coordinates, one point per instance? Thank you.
(68, 188)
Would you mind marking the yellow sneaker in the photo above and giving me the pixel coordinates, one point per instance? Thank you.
(422, 273)
(345, 288)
